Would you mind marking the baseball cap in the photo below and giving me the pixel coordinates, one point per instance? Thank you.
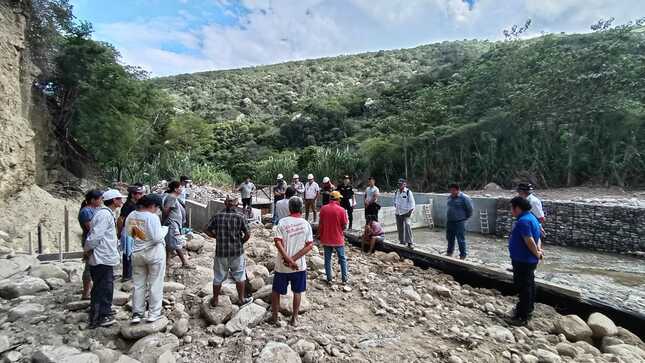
(524, 187)
(336, 195)
(326, 179)
(295, 176)
(310, 176)
(136, 189)
(346, 177)
(401, 180)
(93, 194)
(112, 194)
(280, 176)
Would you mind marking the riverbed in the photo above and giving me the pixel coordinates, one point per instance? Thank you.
(615, 279)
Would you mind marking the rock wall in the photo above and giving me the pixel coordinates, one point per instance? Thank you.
(596, 227)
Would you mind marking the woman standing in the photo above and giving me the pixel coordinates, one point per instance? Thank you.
(135, 192)
(148, 258)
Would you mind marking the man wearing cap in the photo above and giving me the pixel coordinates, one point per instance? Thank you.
(135, 192)
(331, 226)
(348, 201)
(459, 210)
(279, 190)
(101, 250)
(298, 186)
(246, 190)
(404, 206)
(311, 196)
(231, 231)
(525, 190)
(371, 199)
(326, 189)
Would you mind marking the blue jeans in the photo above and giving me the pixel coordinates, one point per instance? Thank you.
(456, 230)
(342, 260)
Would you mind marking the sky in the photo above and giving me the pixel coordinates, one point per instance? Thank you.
(183, 36)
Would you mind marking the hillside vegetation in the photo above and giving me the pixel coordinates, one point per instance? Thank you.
(558, 110)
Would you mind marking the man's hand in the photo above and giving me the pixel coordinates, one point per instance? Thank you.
(87, 254)
(542, 231)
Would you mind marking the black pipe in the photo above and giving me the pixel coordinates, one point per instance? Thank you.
(40, 238)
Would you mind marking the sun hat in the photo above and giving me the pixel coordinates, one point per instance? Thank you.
(112, 194)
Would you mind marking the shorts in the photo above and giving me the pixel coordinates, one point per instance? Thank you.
(222, 265)
(246, 202)
(380, 239)
(174, 240)
(298, 281)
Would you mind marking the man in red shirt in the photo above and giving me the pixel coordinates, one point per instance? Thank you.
(332, 222)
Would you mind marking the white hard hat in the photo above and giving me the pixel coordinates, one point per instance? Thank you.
(326, 179)
(113, 194)
(310, 176)
(280, 176)
(295, 176)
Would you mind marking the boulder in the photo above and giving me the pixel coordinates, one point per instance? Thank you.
(219, 314)
(601, 325)
(628, 353)
(256, 284)
(55, 283)
(492, 187)
(136, 331)
(28, 285)
(609, 341)
(546, 356)
(247, 317)
(46, 271)
(107, 355)
(411, 294)
(166, 357)
(23, 262)
(566, 350)
(78, 305)
(317, 262)
(277, 352)
(256, 271)
(120, 298)
(500, 334)
(171, 286)
(389, 257)
(150, 348)
(195, 243)
(441, 290)
(5, 344)
(62, 354)
(8, 268)
(264, 293)
(180, 327)
(303, 346)
(286, 303)
(587, 348)
(630, 338)
(25, 311)
(573, 328)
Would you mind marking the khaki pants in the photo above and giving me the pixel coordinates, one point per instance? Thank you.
(149, 268)
(310, 204)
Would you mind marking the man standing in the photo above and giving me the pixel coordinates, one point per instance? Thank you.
(101, 250)
(282, 206)
(332, 223)
(173, 217)
(298, 186)
(371, 199)
(404, 205)
(525, 190)
(279, 189)
(348, 200)
(231, 231)
(326, 189)
(460, 209)
(293, 239)
(246, 190)
(93, 201)
(185, 188)
(523, 246)
(311, 196)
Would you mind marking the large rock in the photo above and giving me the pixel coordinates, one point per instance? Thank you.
(411, 294)
(500, 334)
(546, 356)
(256, 271)
(286, 303)
(566, 350)
(8, 268)
(5, 344)
(628, 353)
(150, 348)
(62, 354)
(23, 262)
(219, 314)
(630, 338)
(113, 356)
(180, 327)
(247, 317)
(274, 352)
(25, 310)
(601, 325)
(55, 283)
(317, 262)
(441, 290)
(171, 286)
(120, 298)
(136, 331)
(78, 305)
(264, 293)
(46, 271)
(303, 346)
(27, 285)
(196, 243)
(573, 328)
(256, 284)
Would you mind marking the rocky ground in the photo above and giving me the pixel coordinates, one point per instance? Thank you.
(392, 311)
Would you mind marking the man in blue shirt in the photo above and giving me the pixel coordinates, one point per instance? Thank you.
(460, 209)
(525, 249)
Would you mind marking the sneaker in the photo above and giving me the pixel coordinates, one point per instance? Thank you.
(107, 321)
(246, 301)
(136, 318)
(410, 245)
(153, 318)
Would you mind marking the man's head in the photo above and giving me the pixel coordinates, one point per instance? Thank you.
(290, 192)
(402, 183)
(346, 180)
(113, 198)
(174, 187)
(230, 202)
(295, 178)
(524, 189)
(519, 205)
(326, 180)
(371, 181)
(184, 180)
(93, 198)
(295, 205)
(248, 179)
(454, 189)
(310, 178)
(149, 203)
(136, 191)
(335, 195)
(279, 177)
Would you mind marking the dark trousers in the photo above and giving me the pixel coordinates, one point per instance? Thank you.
(524, 281)
(350, 214)
(127, 267)
(456, 230)
(102, 291)
(372, 210)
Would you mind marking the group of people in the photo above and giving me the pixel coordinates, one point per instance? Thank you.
(143, 237)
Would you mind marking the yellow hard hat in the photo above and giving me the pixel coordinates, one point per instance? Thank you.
(336, 195)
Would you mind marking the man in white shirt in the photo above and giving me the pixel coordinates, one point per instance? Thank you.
(293, 238)
(246, 190)
(404, 204)
(525, 190)
(312, 190)
(371, 199)
(101, 250)
(282, 206)
(298, 186)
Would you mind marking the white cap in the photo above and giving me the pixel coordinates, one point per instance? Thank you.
(310, 176)
(326, 179)
(295, 176)
(280, 176)
(113, 194)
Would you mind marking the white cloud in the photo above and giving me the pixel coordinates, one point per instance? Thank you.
(280, 30)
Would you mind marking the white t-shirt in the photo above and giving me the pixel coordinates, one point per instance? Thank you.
(246, 189)
(282, 208)
(371, 193)
(311, 190)
(149, 223)
(536, 206)
(294, 233)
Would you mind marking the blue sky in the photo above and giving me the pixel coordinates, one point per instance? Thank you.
(182, 36)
